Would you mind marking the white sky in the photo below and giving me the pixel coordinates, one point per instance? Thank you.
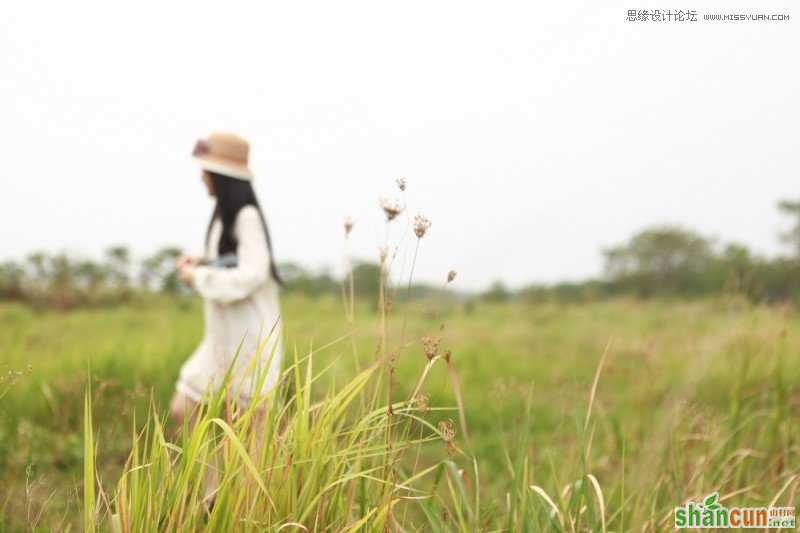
(532, 134)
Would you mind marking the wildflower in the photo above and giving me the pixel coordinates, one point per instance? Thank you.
(391, 208)
(421, 226)
(451, 276)
(401, 183)
(348, 225)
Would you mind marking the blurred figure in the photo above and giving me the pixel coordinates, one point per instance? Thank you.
(239, 284)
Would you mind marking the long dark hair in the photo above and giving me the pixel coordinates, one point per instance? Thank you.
(232, 195)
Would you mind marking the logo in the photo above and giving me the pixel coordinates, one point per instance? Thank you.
(711, 514)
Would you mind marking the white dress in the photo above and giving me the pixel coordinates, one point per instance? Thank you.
(241, 307)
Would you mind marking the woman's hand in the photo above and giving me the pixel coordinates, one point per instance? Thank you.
(186, 260)
(186, 273)
(184, 267)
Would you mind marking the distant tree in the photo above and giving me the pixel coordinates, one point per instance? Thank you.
(169, 278)
(366, 278)
(497, 292)
(570, 292)
(148, 271)
(11, 280)
(791, 208)
(292, 272)
(778, 280)
(118, 259)
(90, 276)
(300, 279)
(62, 293)
(37, 261)
(736, 271)
(157, 272)
(661, 259)
(61, 272)
(535, 293)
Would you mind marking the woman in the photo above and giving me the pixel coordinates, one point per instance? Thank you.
(238, 282)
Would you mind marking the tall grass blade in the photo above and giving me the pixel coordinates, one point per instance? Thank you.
(88, 462)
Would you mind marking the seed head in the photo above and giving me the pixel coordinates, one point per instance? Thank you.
(401, 183)
(423, 402)
(348, 225)
(421, 226)
(451, 276)
(391, 208)
(430, 345)
(447, 430)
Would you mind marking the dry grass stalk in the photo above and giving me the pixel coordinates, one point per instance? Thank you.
(451, 370)
(348, 293)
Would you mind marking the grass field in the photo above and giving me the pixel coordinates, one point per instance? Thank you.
(693, 397)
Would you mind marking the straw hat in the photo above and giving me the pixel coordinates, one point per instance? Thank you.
(223, 153)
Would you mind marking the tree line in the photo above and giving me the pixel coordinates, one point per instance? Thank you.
(65, 282)
(657, 261)
(675, 261)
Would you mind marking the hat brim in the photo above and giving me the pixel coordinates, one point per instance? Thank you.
(231, 170)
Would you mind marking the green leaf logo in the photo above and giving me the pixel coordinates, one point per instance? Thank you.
(710, 501)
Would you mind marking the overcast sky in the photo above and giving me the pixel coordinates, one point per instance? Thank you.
(532, 134)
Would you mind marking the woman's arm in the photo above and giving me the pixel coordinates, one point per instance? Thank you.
(226, 285)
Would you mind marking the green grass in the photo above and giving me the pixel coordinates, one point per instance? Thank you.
(692, 398)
